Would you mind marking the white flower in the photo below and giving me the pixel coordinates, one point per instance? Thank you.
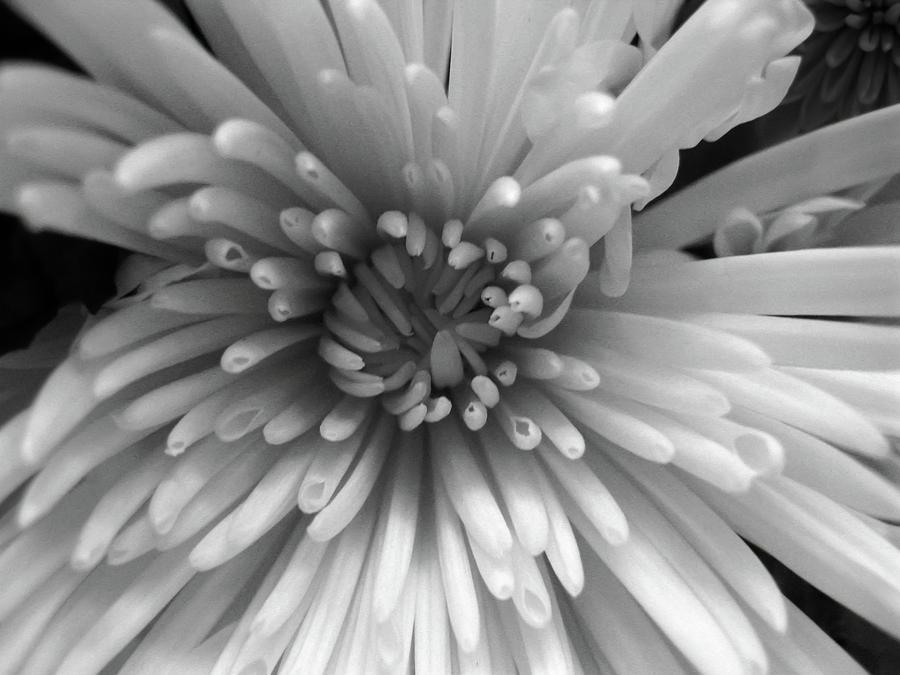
(411, 311)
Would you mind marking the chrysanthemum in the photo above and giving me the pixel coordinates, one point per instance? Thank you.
(410, 310)
(851, 62)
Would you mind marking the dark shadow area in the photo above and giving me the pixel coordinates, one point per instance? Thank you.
(41, 272)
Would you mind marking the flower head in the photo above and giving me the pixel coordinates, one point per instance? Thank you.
(413, 312)
(851, 63)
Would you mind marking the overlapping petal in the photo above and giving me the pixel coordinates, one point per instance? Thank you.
(382, 390)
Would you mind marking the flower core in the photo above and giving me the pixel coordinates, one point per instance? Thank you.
(415, 322)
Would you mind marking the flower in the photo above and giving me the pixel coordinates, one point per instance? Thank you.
(851, 62)
(412, 311)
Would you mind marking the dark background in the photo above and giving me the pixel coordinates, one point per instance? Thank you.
(40, 273)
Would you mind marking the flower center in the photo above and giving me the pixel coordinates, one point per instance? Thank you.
(415, 309)
(414, 320)
(877, 21)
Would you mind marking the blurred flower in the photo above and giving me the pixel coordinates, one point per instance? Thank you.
(363, 294)
(851, 62)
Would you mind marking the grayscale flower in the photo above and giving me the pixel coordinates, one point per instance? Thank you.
(851, 62)
(389, 385)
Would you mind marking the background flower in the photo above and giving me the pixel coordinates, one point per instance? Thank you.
(852, 61)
